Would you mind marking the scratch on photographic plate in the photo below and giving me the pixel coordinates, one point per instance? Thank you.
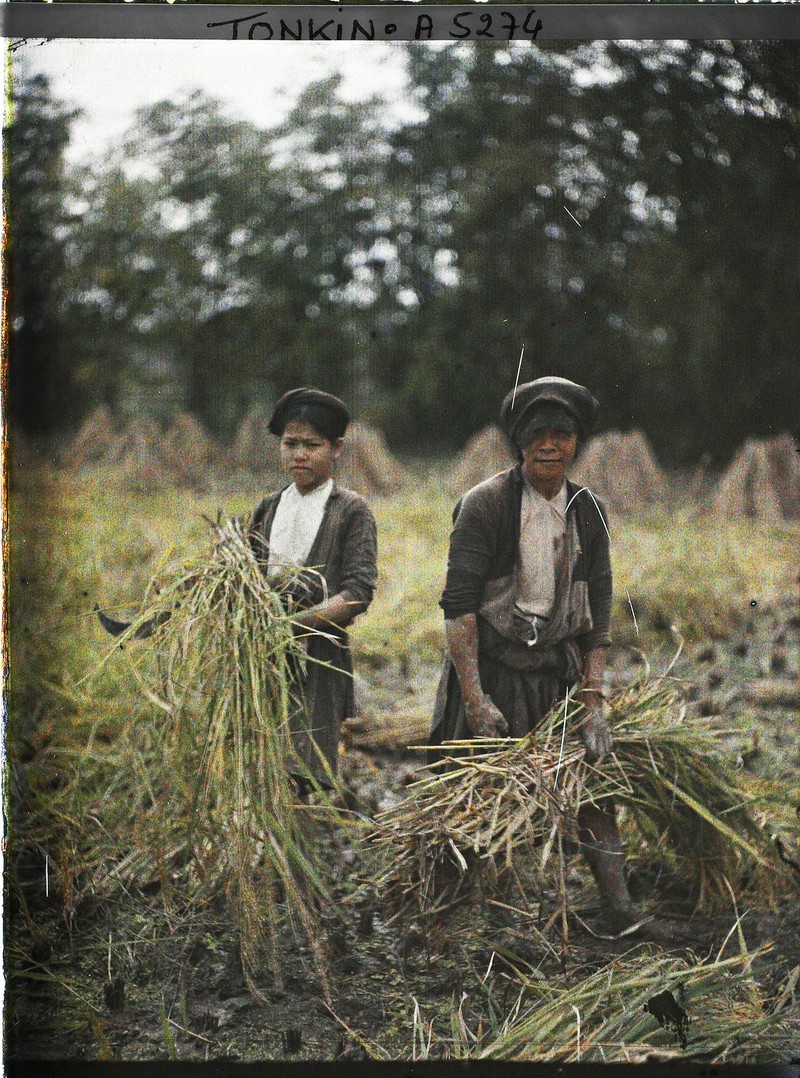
(578, 1013)
(563, 736)
(516, 383)
(574, 218)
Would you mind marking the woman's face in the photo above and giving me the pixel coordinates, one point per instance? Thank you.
(308, 456)
(546, 458)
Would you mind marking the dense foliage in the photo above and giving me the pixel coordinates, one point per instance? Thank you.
(626, 211)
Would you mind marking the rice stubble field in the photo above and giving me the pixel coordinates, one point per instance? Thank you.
(104, 963)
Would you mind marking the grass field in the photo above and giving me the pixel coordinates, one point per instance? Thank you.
(79, 544)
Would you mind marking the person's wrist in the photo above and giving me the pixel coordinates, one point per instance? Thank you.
(473, 694)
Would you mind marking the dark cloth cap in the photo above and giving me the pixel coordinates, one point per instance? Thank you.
(326, 413)
(544, 415)
(572, 400)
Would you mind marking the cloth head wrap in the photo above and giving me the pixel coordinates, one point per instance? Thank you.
(548, 402)
(324, 412)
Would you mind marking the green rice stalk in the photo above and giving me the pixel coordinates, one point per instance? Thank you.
(208, 805)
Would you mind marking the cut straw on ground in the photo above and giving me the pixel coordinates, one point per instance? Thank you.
(647, 1008)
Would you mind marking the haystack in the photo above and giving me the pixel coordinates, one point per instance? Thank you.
(485, 454)
(136, 456)
(784, 457)
(751, 485)
(187, 449)
(367, 464)
(254, 449)
(96, 437)
(621, 470)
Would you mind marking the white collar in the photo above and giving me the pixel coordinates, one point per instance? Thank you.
(559, 502)
(318, 494)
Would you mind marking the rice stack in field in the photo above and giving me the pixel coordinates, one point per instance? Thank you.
(485, 454)
(642, 1009)
(472, 812)
(367, 464)
(254, 449)
(747, 489)
(622, 470)
(783, 454)
(213, 809)
(188, 451)
(95, 438)
(135, 458)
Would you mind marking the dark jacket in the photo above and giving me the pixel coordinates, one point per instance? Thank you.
(484, 546)
(345, 554)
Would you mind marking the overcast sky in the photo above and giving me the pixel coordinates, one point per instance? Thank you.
(109, 80)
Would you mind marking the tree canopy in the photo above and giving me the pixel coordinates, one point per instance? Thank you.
(627, 212)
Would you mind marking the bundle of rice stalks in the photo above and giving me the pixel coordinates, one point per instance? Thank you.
(206, 805)
(682, 790)
(389, 731)
(486, 799)
(646, 1008)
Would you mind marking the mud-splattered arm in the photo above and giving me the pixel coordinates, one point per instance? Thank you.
(484, 719)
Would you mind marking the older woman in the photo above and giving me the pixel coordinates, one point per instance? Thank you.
(527, 604)
(314, 525)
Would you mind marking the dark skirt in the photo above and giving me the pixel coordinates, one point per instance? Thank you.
(324, 698)
(522, 683)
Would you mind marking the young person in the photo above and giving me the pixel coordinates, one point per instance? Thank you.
(328, 533)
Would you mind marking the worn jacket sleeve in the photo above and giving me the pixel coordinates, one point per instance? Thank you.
(598, 574)
(359, 576)
(471, 555)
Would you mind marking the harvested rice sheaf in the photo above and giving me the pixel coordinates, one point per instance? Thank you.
(472, 812)
(647, 1008)
(211, 809)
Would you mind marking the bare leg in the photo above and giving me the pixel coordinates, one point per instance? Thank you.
(601, 846)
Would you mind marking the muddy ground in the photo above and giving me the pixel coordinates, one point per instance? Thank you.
(170, 986)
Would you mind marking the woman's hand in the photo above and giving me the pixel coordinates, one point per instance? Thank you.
(326, 618)
(593, 728)
(485, 719)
